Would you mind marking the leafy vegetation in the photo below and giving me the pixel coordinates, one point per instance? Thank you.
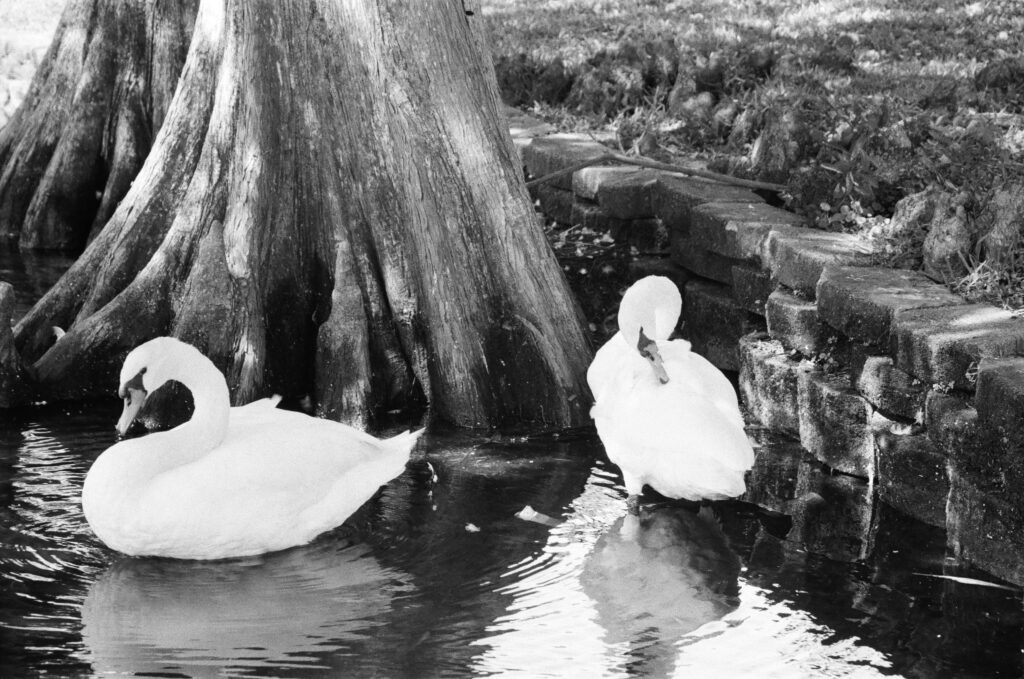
(854, 104)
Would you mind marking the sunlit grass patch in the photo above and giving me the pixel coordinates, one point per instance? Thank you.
(854, 103)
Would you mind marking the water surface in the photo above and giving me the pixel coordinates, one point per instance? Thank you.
(438, 577)
(31, 274)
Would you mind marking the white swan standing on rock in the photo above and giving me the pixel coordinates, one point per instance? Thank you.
(667, 417)
(230, 482)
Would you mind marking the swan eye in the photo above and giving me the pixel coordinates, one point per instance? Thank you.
(134, 383)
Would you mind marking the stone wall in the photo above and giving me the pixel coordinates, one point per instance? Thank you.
(880, 374)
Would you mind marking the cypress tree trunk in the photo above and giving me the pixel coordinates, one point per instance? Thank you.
(332, 205)
(70, 152)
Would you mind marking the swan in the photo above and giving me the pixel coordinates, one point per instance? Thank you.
(230, 482)
(667, 417)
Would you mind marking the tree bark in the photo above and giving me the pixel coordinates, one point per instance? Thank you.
(70, 152)
(333, 206)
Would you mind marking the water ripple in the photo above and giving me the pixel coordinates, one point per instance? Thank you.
(406, 589)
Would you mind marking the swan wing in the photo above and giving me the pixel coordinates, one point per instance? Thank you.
(676, 441)
(698, 374)
(606, 364)
(271, 484)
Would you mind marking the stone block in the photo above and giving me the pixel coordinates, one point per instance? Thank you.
(524, 126)
(912, 476)
(624, 196)
(520, 144)
(738, 230)
(1000, 395)
(794, 322)
(555, 203)
(950, 421)
(768, 383)
(592, 216)
(590, 181)
(751, 287)
(984, 528)
(676, 196)
(701, 262)
(658, 266)
(714, 323)
(836, 423)
(797, 256)
(890, 390)
(835, 516)
(944, 345)
(999, 453)
(862, 301)
(646, 235)
(555, 152)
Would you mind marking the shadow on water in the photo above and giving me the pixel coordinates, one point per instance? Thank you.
(438, 577)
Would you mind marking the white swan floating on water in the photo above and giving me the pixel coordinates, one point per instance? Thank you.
(667, 417)
(230, 482)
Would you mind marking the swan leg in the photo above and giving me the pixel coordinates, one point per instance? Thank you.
(633, 505)
(634, 488)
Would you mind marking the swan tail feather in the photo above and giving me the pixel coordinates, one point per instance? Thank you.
(404, 442)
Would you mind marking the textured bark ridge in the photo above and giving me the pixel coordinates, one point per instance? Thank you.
(332, 206)
(69, 154)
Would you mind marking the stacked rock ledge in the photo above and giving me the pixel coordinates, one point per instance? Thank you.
(879, 373)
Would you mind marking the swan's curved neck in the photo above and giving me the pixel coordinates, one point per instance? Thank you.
(209, 423)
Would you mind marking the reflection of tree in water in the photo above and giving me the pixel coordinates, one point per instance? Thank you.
(657, 577)
(458, 572)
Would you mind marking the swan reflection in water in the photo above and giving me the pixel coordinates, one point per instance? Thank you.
(305, 607)
(657, 576)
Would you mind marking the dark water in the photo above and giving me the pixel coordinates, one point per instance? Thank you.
(439, 578)
(31, 274)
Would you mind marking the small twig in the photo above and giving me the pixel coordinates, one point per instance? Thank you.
(655, 165)
(567, 170)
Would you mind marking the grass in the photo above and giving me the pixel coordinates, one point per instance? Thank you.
(854, 104)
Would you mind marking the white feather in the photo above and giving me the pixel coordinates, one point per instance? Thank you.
(231, 481)
(684, 438)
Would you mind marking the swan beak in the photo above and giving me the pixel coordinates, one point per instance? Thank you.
(133, 400)
(648, 348)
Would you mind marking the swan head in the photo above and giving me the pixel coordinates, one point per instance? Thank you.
(146, 368)
(649, 312)
(648, 348)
